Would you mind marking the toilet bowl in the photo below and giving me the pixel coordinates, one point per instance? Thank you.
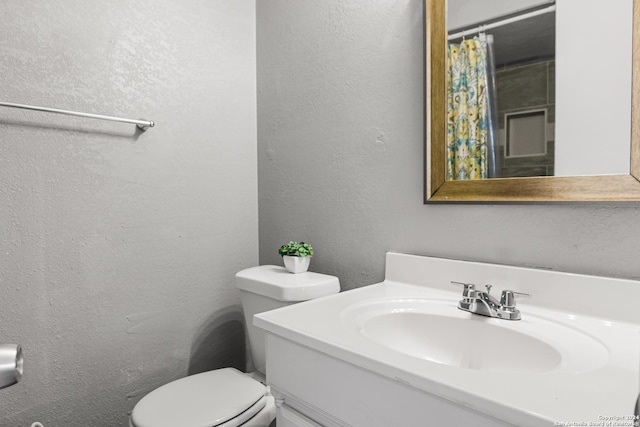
(227, 397)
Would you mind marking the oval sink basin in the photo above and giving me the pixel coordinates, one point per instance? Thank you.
(437, 331)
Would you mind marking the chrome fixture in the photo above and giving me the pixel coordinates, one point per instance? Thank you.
(10, 364)
(141, 124)
(479, 302)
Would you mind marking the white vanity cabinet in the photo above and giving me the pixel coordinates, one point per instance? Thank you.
(314, 389)
(402, 353)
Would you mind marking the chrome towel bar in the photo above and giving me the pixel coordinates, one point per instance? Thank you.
(141, 124)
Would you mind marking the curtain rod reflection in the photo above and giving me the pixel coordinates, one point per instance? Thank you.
(482, 28)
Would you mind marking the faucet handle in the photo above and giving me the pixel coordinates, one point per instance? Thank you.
(469, 290)
(508, 298)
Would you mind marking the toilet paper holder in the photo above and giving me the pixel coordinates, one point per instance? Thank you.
(11, 364)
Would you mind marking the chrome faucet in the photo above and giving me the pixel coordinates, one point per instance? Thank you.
(483, 303)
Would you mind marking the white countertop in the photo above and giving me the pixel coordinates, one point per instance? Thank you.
(519, 398)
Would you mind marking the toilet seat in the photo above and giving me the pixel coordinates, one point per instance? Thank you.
(246, 415)
(221, 398)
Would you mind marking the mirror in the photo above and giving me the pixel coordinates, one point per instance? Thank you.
(584, 185)
(510, 46)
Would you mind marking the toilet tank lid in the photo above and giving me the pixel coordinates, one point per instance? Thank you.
(275, 282)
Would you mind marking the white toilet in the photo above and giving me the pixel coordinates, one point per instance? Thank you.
(227, 397)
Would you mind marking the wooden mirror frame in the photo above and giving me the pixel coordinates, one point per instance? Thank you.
(536, 189)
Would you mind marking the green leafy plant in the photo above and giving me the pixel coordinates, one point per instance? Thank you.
(292, 248)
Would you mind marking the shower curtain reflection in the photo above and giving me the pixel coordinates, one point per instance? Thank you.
(472, 113)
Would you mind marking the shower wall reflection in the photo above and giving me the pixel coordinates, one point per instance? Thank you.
(526, 91)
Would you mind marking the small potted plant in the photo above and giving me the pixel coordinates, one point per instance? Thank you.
(296, 256)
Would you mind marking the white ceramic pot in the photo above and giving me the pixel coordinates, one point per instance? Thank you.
(296, 264)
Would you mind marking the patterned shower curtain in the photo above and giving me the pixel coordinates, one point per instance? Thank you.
(467, 130)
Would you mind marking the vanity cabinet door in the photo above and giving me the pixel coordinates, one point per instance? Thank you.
(288, 417)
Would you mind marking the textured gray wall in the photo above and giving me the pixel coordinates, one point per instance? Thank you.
(340, 156)
(117, 249)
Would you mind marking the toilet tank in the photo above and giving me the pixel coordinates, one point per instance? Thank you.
(268, 287)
